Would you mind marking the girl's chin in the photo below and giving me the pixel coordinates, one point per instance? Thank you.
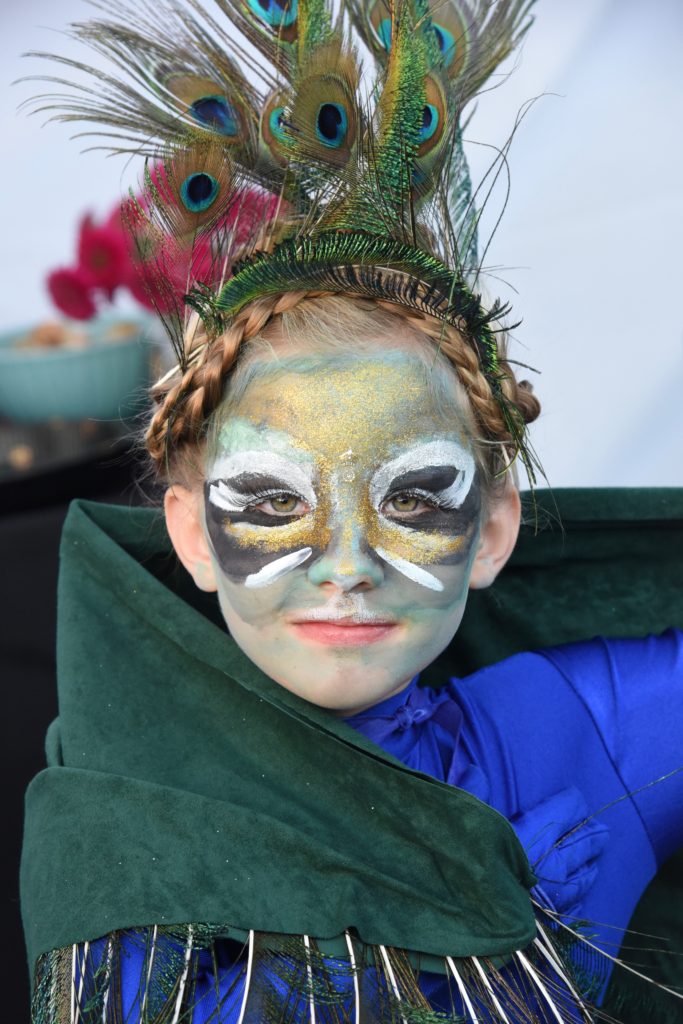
(342, 690)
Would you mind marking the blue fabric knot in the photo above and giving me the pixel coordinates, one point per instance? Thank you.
(562, 841)
(405, 716)
(422, 727)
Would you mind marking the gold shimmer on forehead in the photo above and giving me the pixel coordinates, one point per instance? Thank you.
(356, 411)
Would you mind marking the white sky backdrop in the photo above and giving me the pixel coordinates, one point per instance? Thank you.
(591, 239)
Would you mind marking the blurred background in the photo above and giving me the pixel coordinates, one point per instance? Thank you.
(588, 252)
(590, 239)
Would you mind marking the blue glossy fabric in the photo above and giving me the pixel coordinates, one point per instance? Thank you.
(572, 745)
(578, 746)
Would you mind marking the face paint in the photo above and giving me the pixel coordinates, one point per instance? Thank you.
(342, 510)
(244, 483)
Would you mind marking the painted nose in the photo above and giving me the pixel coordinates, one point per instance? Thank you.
(347, 564)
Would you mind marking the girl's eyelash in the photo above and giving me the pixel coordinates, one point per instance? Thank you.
(425, 496)
(259, 496)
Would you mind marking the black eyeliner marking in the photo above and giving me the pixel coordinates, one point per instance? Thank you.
(435, 519)
(253, 483)
(430, 478)
(237, 561)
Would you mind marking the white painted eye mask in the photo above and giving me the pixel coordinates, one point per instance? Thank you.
(268, 514)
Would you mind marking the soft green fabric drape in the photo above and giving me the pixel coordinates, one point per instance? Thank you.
(184, 785)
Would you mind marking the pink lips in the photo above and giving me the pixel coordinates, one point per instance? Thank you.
(343, 632)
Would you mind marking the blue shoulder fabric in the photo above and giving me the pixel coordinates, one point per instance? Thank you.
(572, 744)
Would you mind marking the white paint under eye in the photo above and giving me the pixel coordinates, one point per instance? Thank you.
(280, 567)
(413, 572)
(433, 453)
(293, 476)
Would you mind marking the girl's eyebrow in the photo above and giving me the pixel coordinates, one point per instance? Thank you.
(259, 463)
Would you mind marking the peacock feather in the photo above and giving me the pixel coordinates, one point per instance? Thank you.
(360, 174)
(201, 972)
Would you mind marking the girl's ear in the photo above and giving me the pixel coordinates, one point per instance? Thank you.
(185, 525)
(497, 539)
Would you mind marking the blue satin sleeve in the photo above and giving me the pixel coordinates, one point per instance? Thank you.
(633, 692)
(581, 747)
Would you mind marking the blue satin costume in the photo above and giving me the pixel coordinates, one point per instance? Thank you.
(578, 746)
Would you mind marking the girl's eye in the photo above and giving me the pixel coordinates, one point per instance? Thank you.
(283, 505)
(404, 505)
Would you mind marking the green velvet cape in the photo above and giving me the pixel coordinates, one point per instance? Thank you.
(184, 785)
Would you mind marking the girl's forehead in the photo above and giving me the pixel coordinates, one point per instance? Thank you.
(337, 406)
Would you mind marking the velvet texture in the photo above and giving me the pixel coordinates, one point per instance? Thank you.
(597, 562)
(186, 786)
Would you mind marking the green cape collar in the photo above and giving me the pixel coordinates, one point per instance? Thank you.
(185, 786)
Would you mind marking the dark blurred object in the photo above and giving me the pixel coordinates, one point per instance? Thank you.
(42, 467)
(50, 463)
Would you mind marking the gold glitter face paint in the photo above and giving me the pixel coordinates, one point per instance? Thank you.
(342, 510)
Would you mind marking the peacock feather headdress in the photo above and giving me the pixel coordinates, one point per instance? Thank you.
(274, 164)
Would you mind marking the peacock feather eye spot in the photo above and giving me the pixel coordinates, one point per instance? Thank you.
(446, 44)
(215, 112)
(331, 124)
(199, 191)
(276, 123)
(277, 13)
(430, 122)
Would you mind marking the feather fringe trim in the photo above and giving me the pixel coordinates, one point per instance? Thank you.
(197, 973)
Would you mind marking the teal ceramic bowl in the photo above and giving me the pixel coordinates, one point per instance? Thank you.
(104, 377)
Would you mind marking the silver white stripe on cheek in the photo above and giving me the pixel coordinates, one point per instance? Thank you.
(279, 567)
(226, 467)
(413, 572)
(433, 453)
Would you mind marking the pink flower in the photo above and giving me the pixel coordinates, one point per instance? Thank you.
(72, 291)
(130, 249)
(102, 250)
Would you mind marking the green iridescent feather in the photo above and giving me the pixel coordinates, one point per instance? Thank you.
(314, 27)
(336, 260)
(370, 181)
(385, 193)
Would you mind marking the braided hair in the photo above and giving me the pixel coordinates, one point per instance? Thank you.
(188, 401)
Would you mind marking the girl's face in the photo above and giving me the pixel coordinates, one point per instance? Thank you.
(342, 516)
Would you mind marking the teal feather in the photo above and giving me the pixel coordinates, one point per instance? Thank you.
(372, 185)
(295, 977)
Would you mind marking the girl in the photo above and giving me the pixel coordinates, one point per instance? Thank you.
(278, 821)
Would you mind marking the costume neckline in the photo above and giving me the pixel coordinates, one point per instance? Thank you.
(386, 708)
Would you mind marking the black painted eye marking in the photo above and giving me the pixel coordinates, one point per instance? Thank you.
(432, 510)
(431, 479)
(238, 500)
(255, 483)
(237, 560)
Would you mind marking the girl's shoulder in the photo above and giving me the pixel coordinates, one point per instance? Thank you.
(611, 678)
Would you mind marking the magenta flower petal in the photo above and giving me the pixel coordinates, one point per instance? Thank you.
(72, 292)
(103, 251)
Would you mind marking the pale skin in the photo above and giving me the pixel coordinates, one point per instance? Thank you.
(348, 572)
